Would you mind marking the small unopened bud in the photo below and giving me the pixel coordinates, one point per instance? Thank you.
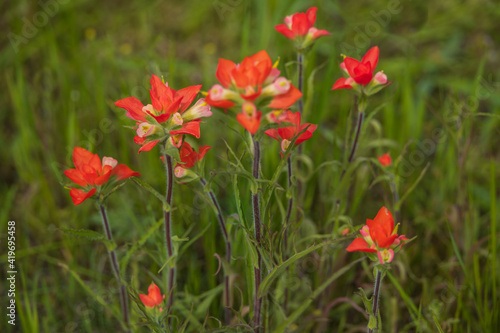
(380, 78)
(285, 144)
(146, 129)
(199, 110)
(177, 119)
(249, 109)
(109, 161)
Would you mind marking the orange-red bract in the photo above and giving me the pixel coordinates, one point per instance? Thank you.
(385, 159)
(301, 25)
(154, 297)
(90, 173)
(379, 235)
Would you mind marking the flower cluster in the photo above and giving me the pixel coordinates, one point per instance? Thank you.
(169, 115)
(299, 27)
(380, 236)
(287, 134)
(92, 174)
(189, 158)
(360, 75)
(253, 83)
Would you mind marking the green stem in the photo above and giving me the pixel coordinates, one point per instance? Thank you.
(222, 224)
(115, 266)
(168, 227)
(376, 297)
(300, 86)
(285, 235)
(257, 230)
(300, 61)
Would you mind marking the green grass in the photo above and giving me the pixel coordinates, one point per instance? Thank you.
(60, 88)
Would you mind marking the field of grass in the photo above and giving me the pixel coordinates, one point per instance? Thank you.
(440, 117)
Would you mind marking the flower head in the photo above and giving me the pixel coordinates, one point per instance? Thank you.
(300, 28)
(154, 297)
(385, 159)
(287, 134)
(189, 158)
(361, 74)
(91, 174)
(254, 82)
(380, 236)
(168, 114)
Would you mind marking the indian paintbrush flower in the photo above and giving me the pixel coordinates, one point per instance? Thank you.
(168, 115)
(189, 158)
(287, 134)
(252, 84)
(379, 236)
(154, 297)
(92, 175)
(299, 27)
(385, 159)
(361, 75)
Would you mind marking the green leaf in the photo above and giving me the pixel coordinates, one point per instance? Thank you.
(403, 198)
(170, 263)
(252, 252)
(279, 270)
(176, 238)
(150, 189)
(151, 231)
(296, 314)
(97, 297)
(239, 208)
(90, 235)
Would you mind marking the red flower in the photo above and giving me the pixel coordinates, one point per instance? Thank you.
(189, 157)
(379, 235)
(169, 108)
(253, 80)
(361, 72)
(287, 134)
(300, 27)
(154, 298)
(385, 160)
(91, 174)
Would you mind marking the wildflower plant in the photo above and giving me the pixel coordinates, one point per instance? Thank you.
(268, 105)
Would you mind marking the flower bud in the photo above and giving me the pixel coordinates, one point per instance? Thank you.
(176, 119)
(109, 161)
(249, 109)
(199, 110)
(285, 144)
(380, 78)
(219, 93)
(280, 86)
(146, 129)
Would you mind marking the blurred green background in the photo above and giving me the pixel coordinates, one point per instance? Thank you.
(64, 63)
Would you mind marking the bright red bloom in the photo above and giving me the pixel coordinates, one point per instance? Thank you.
(385, 160)
(300, 27)
(154, 298)
(189, 157)
(361, 72)
(287, 134)
(169, 108)
(379, 235)
(90, 173)
(253, 80)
